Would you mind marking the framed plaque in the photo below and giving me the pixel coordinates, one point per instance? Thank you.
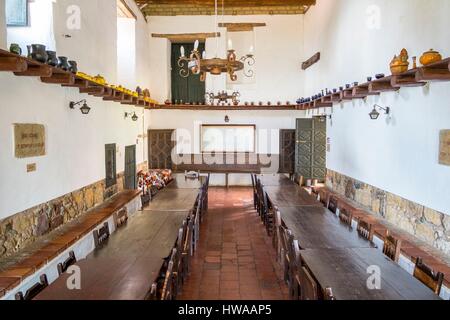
(29, 140)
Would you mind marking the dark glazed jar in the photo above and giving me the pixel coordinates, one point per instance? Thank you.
(73, 66)
(38, 53)
(52, 59)
(63, 63)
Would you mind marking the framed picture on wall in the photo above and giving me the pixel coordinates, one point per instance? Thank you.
(16, 13)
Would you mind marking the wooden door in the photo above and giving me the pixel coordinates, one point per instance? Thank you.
(310, 151)
(160, 147)
(110, 165)
(190, 89)
(130, 167)
(287, 151)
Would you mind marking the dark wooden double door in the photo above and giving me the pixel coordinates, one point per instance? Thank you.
(186, 89)
(160, 146)
(287, 151)
(130, 168)
(310, 150)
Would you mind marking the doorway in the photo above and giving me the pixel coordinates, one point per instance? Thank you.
(110, 165)
(190, 89)
(130, 168)
(160, 145)
(287, 151)
(310, 151)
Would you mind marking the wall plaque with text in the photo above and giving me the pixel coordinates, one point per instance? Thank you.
(29, 140)
(444, 148)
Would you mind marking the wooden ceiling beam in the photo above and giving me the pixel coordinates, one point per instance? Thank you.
(232, 3)
(232, 7)
(241, 26)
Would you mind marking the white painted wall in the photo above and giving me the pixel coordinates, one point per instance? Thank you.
(74, 142)
(278, 51)
(399, 155)
(268, 125)
(2, 24)
(188, 124)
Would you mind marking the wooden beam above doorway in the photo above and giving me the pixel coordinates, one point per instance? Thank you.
(186, 37)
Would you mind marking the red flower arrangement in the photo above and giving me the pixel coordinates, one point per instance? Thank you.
(158, 179)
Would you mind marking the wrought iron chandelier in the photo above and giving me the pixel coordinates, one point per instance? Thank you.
(197, 63)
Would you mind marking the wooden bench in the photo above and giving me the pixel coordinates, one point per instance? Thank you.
(29, 263)
(408, 249)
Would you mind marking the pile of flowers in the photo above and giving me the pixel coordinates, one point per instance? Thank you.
(154, 179)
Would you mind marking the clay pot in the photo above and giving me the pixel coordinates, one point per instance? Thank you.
(38, 53)
(52, 59)
(73, 66)
(64, 63)
(398, 65)
(430, 57)
(15, 48)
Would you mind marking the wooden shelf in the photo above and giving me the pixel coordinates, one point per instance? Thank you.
(439, 71)
(346, 94)
(25, 67)
(406, 79)
(320, 104)
(418, 77)
(22, 66)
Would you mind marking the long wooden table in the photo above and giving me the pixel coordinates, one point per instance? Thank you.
(128, 263)
(318, 228)
(180, 181)
(347, 272)
(336, 255)
(290, 196)
(173, 200)
(274, 180)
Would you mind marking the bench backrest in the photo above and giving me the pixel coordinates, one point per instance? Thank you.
(101, 235)
(34, 290)
(63, 266)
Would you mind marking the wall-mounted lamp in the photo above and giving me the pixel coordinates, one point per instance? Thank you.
(134, 117)
(84, 108)
(374, 115)
(227, 119)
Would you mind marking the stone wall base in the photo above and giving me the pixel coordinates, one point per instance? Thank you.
(429, 225)
(24, 228)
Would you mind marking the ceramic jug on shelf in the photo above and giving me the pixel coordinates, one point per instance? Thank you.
(15, 48)
(52, 58)
(38, 53)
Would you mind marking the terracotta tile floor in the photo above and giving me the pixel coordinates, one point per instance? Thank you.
(235, 259)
